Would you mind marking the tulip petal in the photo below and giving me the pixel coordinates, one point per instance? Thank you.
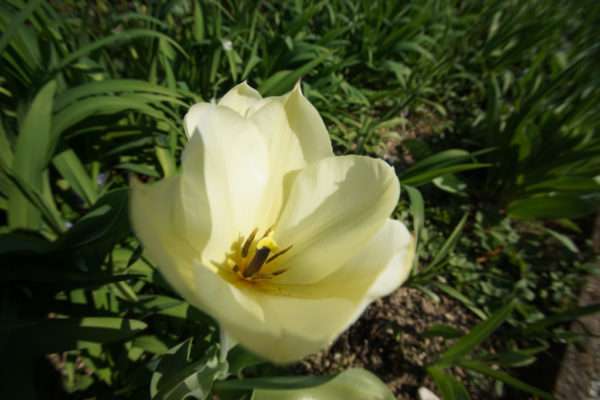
(241, 98)
(334, 207)
(307, 124)
(285, 153)
(294, 328)
(379, 269)
(319, 313)
(153, 208)
(225, 172)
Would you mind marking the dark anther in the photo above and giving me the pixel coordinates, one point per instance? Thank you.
(257, 262)
(269, 230)
(281, 271)
(248, 242)
(274, 256)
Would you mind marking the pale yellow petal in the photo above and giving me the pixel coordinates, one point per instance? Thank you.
(235, 308)
(334, 208)
(225, 171)
(153, 210)
(285, 154)
(292, 328)
(379, 269)
(241, 98)
(319, 313)
(307, 124)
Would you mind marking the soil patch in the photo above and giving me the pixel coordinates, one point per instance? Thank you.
(389, 341)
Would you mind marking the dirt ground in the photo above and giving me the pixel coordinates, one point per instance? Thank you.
(388, 340)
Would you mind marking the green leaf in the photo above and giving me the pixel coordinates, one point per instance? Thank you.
(563, 239)
(31, 158)
(445, 331)
(443, 158)
(449, 387)
(6, 149)
(550, 207)
(417, 209)
(115, 38)
(566, 316)
(283, 81)
(273, 382)
(198, 21)
(239, 358)
(62, 334)
(421, 178)
(449, 244)
(19, 242)
(478, 334)
(170, 307)
(178, 374)
(151, 344)
(17, 22)
(352, 384)
(566, 184)
(105, 224)
(71, 168)
(504, 377)
(39, 201)
(450, 291)
(90, 89)
(451, 184)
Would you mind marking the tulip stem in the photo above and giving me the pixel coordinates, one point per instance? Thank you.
(226, 343)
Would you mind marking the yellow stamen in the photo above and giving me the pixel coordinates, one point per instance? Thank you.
(267, 242)
(249, 258)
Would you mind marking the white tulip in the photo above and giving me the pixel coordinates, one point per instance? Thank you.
(264, 229)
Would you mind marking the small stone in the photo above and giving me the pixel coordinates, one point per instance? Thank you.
(426, 394)
(428, 308)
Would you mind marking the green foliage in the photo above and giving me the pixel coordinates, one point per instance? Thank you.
(487, 110)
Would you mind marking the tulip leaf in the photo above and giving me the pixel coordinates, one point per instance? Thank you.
(478, 334)
(449, 387)
(40, 201)
(103, 225)
(449, 244)
(23, 242)
(31, 158)
(151, 344)
(57, 276)
(17, 23)
(71, 168)
(429, 175)
(417, 209)
(550, 207)
(504, 377)
(443, 330)
(171, 307)
(239, 358)
(178, 374)
(563, 239)
(353, 384)
(62, 334)
(565, 316)
(274, 382)
(109, 86)
(443, 163)
(450, 291)
(118, 37)
(283, 81)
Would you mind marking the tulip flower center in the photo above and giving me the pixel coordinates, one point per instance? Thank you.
(252, 254)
